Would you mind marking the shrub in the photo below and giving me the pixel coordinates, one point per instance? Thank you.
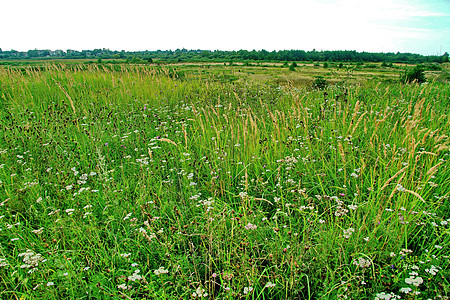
(320, 83)
(415, 74)
(293, 66)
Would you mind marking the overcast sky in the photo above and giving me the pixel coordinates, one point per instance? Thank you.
(416, 26)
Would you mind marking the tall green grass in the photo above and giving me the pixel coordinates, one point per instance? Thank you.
(135, 182)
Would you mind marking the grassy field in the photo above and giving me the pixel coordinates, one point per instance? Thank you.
(222, 182)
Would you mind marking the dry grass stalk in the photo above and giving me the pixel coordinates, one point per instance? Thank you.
(185, 136)
(67, 95)
(434, 169)
(415, 194)
(168, 141)
(395, 188)
(425, 136)
(442, 147)
(418, 109)
(359, 120)
(393, 130)
(426, 152)
(341, 151)
(393, 177)
(442, 137)
(262, 199)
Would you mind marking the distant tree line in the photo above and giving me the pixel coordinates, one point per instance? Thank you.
(181, 55)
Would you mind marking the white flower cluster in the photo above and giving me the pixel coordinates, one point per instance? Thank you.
(348, 232)
(416, 281)
(135, 276)
(340, 209)
(405, 290)
(123, 286)
(432, 270)
(206, 203)
(384, 296)
(404, 252)
(160, 271)
(30, 259)
(400, 188)
(125, 255)
(38, 231)
(250, 226)
(362, 262)
(3, 262)
(199, 292)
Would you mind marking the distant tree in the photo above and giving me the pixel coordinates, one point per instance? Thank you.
(149, 60)
(325, 65)
(444, 57)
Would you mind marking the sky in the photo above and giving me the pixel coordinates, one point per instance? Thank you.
(415, 26)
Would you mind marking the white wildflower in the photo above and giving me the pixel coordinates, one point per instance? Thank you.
(250, 226)
(405, 290)
(348, 232)
(199, 292)
(160, 271)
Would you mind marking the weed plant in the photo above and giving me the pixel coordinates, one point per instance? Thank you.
(131, 182)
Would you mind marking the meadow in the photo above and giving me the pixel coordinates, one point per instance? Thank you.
(222, 182)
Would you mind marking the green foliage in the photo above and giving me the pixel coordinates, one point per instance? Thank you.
(414, 75)
(430, 67)
(320, 83)
(218, 55)
(293, 66)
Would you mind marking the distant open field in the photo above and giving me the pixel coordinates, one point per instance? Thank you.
(219, 181)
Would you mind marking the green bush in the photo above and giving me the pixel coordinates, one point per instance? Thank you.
(415, 74)
(320, 83)
(293, 66)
